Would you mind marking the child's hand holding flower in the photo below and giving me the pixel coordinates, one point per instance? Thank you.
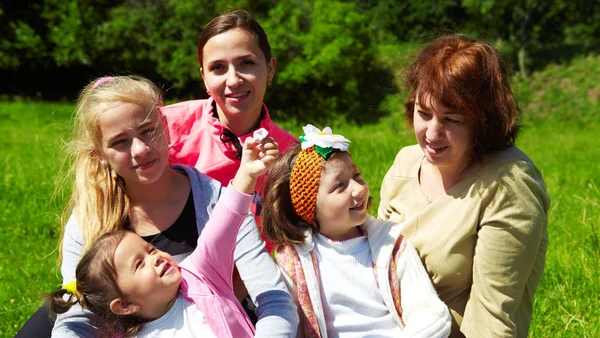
(257, 159)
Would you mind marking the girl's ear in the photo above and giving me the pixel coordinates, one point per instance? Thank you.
(121, 307)
(204, 81)
(100, 158)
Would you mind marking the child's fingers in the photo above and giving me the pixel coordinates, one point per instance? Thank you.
(250, 143)
(271, 152)
(270, 156)
(268, 161)
(270, 145)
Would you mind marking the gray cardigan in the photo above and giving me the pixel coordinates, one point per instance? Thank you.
(277, 315)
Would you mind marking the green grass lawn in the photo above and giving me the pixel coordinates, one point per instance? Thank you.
(559, 134)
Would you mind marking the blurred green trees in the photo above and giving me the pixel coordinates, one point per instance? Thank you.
(334, 58)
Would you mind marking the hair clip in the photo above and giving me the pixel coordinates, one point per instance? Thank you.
(102, 80)
(71, 288)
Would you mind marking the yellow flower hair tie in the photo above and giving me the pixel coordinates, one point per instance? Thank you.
(71, 288)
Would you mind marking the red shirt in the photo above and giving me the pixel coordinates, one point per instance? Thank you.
(195, 140)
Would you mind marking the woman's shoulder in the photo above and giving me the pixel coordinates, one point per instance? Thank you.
(511, 172)
(183, 108)
(199, 182)
(509, 162)
(406, 159)
(408, 155)
(181, 117)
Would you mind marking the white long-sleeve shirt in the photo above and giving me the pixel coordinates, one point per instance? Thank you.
(423, 314)
(352, 302)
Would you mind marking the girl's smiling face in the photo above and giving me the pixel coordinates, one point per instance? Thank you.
(133, 143)
(149, 278)
(236, 75)
(342, 198)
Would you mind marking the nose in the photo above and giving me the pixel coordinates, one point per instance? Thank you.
(139, 147)
(435, 128)
(358, 189)
(233, 78)
(158, 259)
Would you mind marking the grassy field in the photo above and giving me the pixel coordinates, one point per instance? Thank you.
(561, 124)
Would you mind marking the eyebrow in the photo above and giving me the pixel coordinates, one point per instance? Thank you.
(146, 124)
(114, 137)
(241, 57)
(448, 112)
(143, 125)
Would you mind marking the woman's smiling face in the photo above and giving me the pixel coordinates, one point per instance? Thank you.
(236, 75)
(443, 134)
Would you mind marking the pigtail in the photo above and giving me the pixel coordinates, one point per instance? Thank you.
(57, 303)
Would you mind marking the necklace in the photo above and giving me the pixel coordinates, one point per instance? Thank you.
(148, 238)
(154, 237)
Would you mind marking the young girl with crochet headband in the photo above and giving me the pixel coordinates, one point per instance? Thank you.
(138, 290)
(351, 274)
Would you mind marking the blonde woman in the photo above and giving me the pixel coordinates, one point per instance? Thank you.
(123, 180)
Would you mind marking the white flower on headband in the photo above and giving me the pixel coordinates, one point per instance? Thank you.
(324, 141)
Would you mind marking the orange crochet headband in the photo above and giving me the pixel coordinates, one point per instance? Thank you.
(317, 145)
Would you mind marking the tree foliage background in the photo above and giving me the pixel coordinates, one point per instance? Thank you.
(334, 58)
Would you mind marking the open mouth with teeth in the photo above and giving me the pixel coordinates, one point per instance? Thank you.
(238, 95)
(359, 206)
(436, 148)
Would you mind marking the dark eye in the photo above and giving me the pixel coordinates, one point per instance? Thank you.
(117, 143)
(247, 62)
(147, 132)
(217, 68)
(339, 185)
(358, 177)
(423, 114)
(152, 249)
(138, 264)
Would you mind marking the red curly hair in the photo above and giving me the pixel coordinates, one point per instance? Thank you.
(472, 77)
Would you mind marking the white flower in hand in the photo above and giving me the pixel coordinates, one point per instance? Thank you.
(260, 134)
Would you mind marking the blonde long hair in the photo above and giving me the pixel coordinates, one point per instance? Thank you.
(98, 198)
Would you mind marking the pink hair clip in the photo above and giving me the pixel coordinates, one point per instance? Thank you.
(102, 80)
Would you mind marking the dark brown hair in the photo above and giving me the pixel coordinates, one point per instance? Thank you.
(280, 222)
(230, 20)
(472, 77)
(97, 286)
